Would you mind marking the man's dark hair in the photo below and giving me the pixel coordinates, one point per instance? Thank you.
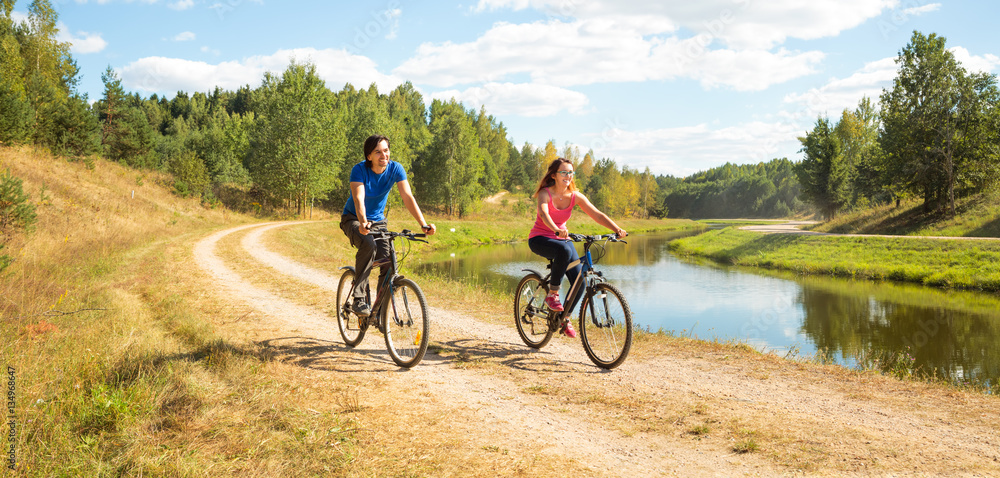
(371, 143)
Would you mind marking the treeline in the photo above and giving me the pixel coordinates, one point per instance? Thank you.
(935, 135)
(287, 143)
(763, 190)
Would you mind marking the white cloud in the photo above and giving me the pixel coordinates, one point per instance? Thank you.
(840, 94)
(737, 23)
(565, 54)
(986, 63)
(181, 4)
(518, 99)
(168, 75)
(686, 150)
(922, 9)
(185, 36)
(206, 49)
(393, 15)
(82, 42)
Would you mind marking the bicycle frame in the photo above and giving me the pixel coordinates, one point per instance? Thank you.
(605, 317)
(578, 287)
(384, 290)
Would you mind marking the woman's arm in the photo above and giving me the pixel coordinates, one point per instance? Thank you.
(411, 205)
(543, 212)
(598, 216)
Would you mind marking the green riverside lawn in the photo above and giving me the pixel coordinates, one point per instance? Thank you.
(946, 263)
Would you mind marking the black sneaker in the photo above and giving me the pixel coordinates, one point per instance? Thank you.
(360, 308)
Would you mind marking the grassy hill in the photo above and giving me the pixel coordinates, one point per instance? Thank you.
(977, 216)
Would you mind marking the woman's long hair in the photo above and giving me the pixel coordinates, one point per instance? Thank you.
(549, 181)
(370, 144)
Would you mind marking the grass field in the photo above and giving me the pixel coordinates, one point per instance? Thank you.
(123, 366)
(945, 263)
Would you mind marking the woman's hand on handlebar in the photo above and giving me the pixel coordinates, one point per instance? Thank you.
(562, 233)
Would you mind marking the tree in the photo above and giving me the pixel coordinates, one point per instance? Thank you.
(454, 158)
(928, 117)
(823, 173)
(15, 111)
(49, 70)
(297, 151)
(16, 213)
(126, 135)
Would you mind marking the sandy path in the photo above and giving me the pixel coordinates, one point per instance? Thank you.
(497, 406)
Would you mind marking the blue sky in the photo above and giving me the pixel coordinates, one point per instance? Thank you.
(677, 87)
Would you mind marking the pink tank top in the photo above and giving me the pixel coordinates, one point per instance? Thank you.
(559, 216)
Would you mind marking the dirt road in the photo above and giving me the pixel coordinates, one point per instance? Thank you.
(672, 413)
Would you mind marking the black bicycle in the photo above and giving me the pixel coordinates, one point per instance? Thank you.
(399, 311)
(605, 317)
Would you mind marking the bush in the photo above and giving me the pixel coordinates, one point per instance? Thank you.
(15, 210)
(16, 213)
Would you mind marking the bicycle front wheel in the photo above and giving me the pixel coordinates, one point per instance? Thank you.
(406, 323)
(530, 313)
(606, 326)
(352, 328)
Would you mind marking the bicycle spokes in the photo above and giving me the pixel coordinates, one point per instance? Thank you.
(406, 323)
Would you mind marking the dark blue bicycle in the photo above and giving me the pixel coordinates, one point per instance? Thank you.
(605, 317)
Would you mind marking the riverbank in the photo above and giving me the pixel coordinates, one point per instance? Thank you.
(507, 227)
(944, 263)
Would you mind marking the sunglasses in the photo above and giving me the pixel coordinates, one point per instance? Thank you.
(565, 173)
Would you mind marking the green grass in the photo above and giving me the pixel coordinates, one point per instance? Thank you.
(976, 216)
(945, 263)
(504, 229)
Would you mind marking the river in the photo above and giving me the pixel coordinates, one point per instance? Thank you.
(954, 335)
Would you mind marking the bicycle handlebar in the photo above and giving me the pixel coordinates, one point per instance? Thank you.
(613, 237)
(385, 233)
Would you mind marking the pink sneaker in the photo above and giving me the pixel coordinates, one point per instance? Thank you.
(568, 330)
(552, 301)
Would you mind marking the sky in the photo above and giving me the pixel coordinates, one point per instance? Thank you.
(674, 86)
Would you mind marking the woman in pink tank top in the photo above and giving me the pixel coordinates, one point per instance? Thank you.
(556, 196)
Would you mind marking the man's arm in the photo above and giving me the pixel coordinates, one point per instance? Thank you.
(358, 195)
(411, 205)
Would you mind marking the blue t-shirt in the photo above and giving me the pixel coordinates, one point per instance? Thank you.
(377, 187)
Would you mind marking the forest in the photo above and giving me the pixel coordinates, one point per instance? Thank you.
(289, 142)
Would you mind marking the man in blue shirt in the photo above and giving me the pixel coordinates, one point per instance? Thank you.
(371, 182)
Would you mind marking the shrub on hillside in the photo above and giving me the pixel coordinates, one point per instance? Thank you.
(16, 213)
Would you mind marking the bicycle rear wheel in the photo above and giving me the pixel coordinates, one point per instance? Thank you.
(406, 323)
(530, 313)
(352, 328)
(606, 326)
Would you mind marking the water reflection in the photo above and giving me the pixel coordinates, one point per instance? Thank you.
(954, 334)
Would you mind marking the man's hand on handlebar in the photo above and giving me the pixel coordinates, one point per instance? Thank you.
(365, 227)
(429, 229)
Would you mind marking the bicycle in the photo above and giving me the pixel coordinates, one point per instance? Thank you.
(399, 311)
(605, 317)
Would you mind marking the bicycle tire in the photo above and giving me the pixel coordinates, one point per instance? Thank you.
(407, 323)
(606, 325)
(352, 328)
(530, 313)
